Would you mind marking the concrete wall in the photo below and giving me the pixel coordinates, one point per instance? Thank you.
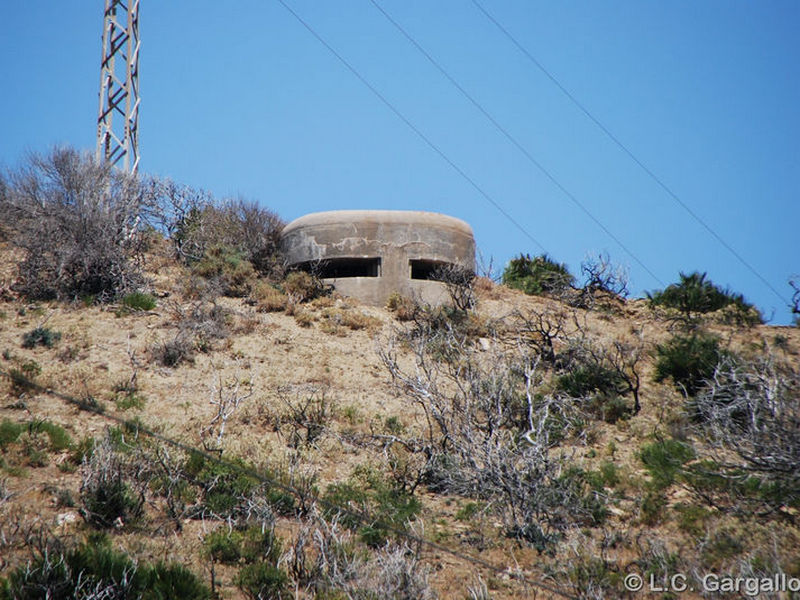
(395, 237)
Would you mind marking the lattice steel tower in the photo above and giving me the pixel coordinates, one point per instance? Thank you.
(119, 85)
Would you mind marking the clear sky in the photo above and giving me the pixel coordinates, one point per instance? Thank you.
(240, 99)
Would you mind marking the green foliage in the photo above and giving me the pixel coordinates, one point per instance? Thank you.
(223, 487)
(250, 545)
(580, 486)
(468, 511)
(107, 498)
(741, 490)
(688, 360)
(602, 386)
(228, 268)
(368, 492)
(610, 407)
(41, 336)
(139, 301)
(59, 438)
(692, 518)
(606, 476)
(652, 506)
(130, 400)
(664, 459)
(246, 229)
(10, 432)
(696, 294)
(263, 581)
(63, 574)
(591, 377)
(113, 500)
(538, 275)
(29, 443)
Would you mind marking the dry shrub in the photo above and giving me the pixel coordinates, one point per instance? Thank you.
(483, 284)
(403, 307)
(79, 223)
(302, 287)
(324, 302)
(268, 298)
(304, 318)
(338, 320)
(326, 561)
(171, 353)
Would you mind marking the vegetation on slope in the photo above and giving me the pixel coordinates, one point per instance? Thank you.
(227, 429)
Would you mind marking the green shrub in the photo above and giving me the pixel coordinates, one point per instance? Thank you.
(62, 574)
(23, 378)
(228, 268)
(139, 301)
(10, 432)
(741, 490)
(31, 437)
(664, 460)
(603, 387)
(41, 336)
(688, 360)
(591, 377)
(468, 511)
(250, 545)
(106, 496)
(607, 475)
(130, 400)
(651, 507)
(247, 229)
(696, 294)
(223, 487)
(368, 492)
(59, 438)
(263, 581)
(173, 352)
(538, 275)
(610, 407)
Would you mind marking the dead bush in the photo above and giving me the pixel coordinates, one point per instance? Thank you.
(459, 283)
(112, 489)
(171, 353)
(80, 224)
(488, 434)
(326, 560)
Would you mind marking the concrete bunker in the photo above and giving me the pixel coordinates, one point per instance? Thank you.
(370, 254)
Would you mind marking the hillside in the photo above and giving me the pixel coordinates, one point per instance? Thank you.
(320, 407)
(179, 417)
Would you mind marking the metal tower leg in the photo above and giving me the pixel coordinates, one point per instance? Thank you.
(119, 85)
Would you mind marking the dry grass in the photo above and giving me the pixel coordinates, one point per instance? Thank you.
(329, 343)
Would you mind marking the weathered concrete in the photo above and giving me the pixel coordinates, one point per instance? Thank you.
(369, 254)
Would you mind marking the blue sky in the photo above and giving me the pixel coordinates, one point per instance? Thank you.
(240, 99)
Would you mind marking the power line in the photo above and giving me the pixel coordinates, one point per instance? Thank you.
(362, 517)
(627, 151)
(411, 126)
(512, 139)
